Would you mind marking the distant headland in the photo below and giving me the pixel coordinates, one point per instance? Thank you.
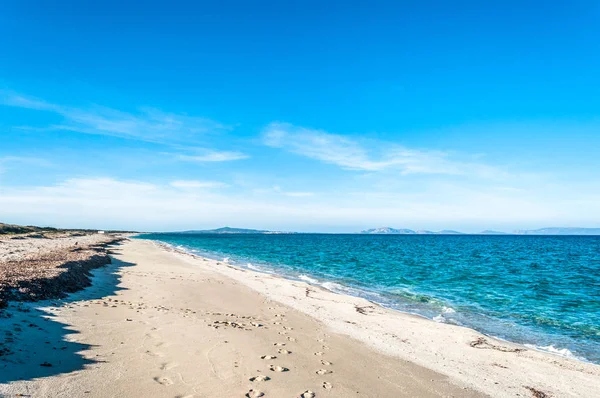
(541, 231)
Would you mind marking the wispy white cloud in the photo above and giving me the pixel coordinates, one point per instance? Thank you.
(25, 159)
(292, 194)
(367, 156)
(277, 190)
(196, 184)
(7, 161)
(10, 98)
(213, 156)
(147, 124)
(299, 194)
(320, 145)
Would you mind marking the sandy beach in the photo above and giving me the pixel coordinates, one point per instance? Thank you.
(160, 323)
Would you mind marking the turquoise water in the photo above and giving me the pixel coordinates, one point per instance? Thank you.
(538, 290)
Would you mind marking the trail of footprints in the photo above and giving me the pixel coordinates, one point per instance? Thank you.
(224, 320)
(283, 350)
(241, 322)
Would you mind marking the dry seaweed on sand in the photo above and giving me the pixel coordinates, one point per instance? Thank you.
(31, 270)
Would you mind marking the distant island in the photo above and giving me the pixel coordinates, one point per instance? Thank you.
(559, 231)
(541, 231)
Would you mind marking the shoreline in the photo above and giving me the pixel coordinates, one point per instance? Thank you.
(156, 323)
(495, 354)
(164, 323)
(349, 291)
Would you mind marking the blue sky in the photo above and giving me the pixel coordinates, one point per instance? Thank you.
(309, 116)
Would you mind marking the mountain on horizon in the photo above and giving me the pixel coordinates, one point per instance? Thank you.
(559, 231)
(230, 230)
(449, 232)
(540, 231)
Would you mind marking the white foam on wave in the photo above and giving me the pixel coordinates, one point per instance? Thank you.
(441, 318)
(308, 279)
(226, 259)
(334, 286)
(563, 352)
(254, 267)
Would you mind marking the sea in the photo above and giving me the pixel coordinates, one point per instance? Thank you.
(541, 291)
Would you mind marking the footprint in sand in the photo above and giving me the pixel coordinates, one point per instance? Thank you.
(168, 366)
(308, 394)
(155, 354)
(327, 385)
(165, 381)
(282, 332)
(323, 372)
(319, 353)
(279, 344)
(260, 378)
(291, 339)
(268, 357)
(277, 368)
(254, 394)
(282, 351)
(326, 363)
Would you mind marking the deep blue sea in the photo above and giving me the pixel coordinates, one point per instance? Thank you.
(542, 291)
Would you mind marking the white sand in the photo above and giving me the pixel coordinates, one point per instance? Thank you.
(184, 326)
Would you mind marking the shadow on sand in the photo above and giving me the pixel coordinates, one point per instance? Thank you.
(34, 344)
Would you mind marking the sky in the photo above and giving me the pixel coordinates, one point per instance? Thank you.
(304, 116)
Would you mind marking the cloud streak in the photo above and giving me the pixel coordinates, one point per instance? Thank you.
(377, 157)
(7, 161)
(147, 124)
(213, 156)
(195, 184)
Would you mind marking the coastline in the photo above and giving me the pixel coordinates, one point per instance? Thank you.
(540, 298)
(339, 286)
(487, 364)
(155, 323)
(159, 322)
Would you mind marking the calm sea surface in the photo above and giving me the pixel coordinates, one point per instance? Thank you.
(542, 291)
